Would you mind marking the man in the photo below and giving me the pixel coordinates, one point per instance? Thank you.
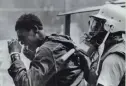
(105, 35)
(45, 69)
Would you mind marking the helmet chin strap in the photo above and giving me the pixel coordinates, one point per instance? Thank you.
(124, 37)
(101, 49)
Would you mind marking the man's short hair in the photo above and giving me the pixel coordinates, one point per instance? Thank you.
(28, 22)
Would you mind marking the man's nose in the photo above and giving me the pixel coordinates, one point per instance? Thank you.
(21, 41)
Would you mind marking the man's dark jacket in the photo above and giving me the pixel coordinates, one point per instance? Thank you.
(45, 69)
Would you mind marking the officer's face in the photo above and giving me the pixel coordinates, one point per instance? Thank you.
(95, 26)
(96, 30)
(27, 38)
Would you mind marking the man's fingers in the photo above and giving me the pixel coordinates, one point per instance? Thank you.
(9, 43)
(13, 42)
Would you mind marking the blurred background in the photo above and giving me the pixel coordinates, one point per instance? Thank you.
(47, 11)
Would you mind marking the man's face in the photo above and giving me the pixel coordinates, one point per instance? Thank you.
(27, 38)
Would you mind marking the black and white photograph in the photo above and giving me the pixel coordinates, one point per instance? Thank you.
(62, 42)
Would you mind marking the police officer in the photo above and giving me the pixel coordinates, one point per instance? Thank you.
(106, 30)
(45, 68)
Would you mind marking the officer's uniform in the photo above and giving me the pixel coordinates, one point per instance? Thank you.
(112, 67)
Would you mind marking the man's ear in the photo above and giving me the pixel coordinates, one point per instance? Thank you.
(36, 29)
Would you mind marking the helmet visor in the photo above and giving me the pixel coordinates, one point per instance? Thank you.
(95, 26)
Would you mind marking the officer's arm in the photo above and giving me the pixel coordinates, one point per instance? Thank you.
(112, 70)
(41, 69)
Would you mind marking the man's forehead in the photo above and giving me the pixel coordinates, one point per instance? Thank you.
(22, 32)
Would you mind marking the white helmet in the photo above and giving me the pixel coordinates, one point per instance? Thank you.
(114, 15)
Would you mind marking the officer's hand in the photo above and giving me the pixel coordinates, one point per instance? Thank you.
(14, 46)
(84, 63)
(84, 60)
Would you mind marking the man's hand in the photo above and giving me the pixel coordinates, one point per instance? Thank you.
(14, 46)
